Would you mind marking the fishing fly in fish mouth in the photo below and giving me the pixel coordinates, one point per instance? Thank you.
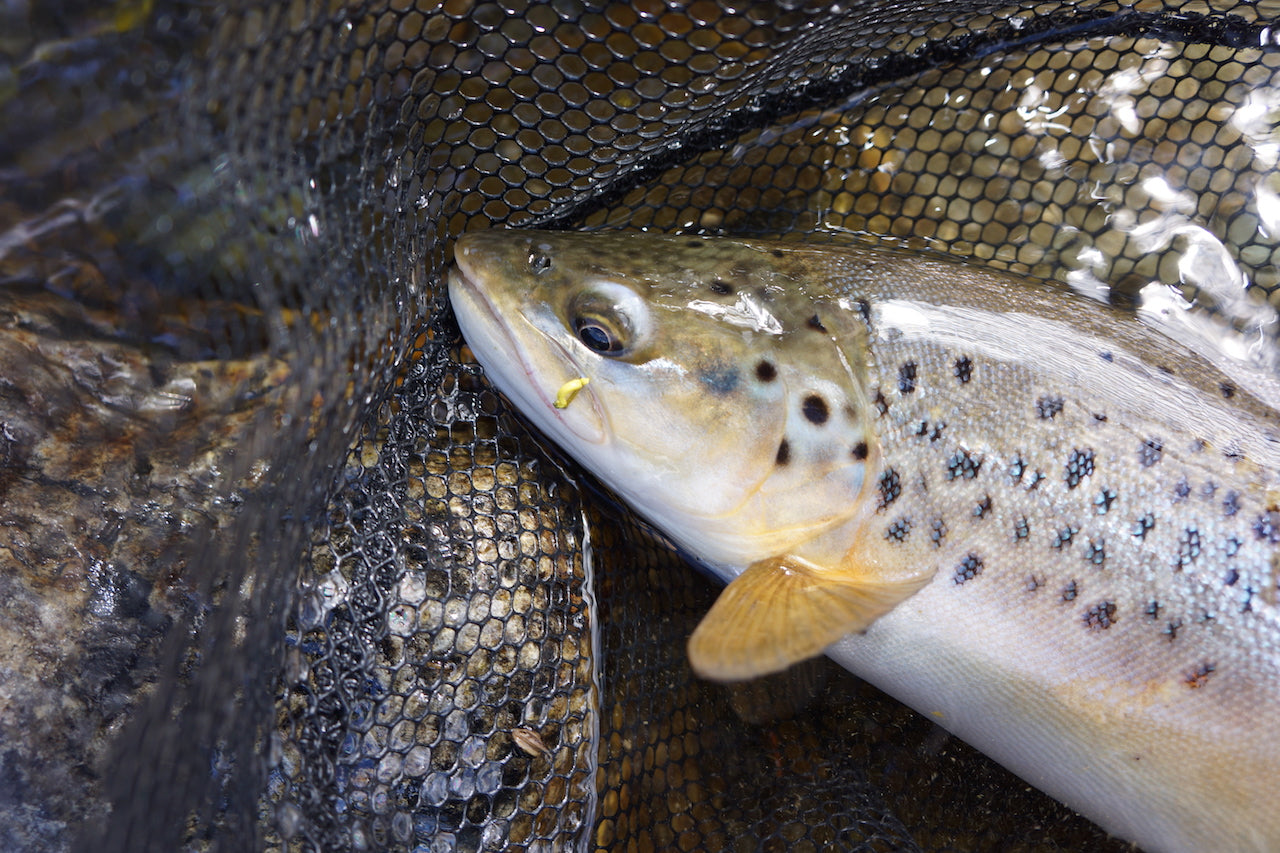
(1009, 506)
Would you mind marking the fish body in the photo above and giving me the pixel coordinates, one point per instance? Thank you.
(1024, 513)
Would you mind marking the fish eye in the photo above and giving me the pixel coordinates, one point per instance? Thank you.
(610, 319)
(597, 335)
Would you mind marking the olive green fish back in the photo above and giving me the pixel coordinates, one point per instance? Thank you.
(329, 594)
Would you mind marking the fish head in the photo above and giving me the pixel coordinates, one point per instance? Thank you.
(725, 398)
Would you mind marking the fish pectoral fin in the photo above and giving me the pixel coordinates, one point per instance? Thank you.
(784, 610)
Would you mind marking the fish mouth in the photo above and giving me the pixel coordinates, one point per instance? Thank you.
(510, 367)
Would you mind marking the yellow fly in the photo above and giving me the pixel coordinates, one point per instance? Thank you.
(568, 391)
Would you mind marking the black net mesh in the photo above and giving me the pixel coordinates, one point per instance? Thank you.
(281, 572)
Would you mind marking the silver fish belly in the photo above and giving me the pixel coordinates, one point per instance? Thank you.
(1030, 517)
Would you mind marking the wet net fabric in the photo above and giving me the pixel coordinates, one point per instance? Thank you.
(282, 572)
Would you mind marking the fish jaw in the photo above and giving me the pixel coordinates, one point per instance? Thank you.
(531, 381)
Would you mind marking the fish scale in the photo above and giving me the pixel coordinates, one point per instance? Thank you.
(1022, 512)
(1059, 503)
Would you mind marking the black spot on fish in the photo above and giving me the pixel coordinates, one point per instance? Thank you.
(815, 409)
(898, 531)
(1079, 466)
(1106, 356)
(1150, 451)
(964, 369)
(882, 405)
(1172, 628)
(983, 507)
(1232, 577)
(937, 431)
(1032, 583)
(720, 380)
(1099, 417)
(777, 253)
(1234, 454)
(1267, 526)
(1153, 610)
(1101, 616)
(1231, 546)
(1246, 606)
(1231, 503)
(816, 324)
(937, 531)
(1181, 489)
(1021, 529)
(1102, 503)
(864, 308)
(694, 244)
(721, 288)
(1228, 390)
(962, 464)
(890, 487)
(923, 429)
(1199, 676)
(1070, 591)
(1036, 478)
(766, 372)
(1048, 407)
(1016, 469)
(1064, 536)
(968, 569)
(1143, 525)
(860, 450)
(784, 453)
(1095, 553)
(1165, 369)
(907, 377)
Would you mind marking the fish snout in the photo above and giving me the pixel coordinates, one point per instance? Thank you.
(515, 337)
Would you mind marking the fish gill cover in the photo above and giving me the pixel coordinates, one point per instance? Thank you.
(281, 572)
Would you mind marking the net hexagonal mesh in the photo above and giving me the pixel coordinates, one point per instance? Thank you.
(282, 571)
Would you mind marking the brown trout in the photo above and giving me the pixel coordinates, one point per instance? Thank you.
(1022, 512)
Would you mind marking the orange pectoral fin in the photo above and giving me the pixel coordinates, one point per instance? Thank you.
(784, 610)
